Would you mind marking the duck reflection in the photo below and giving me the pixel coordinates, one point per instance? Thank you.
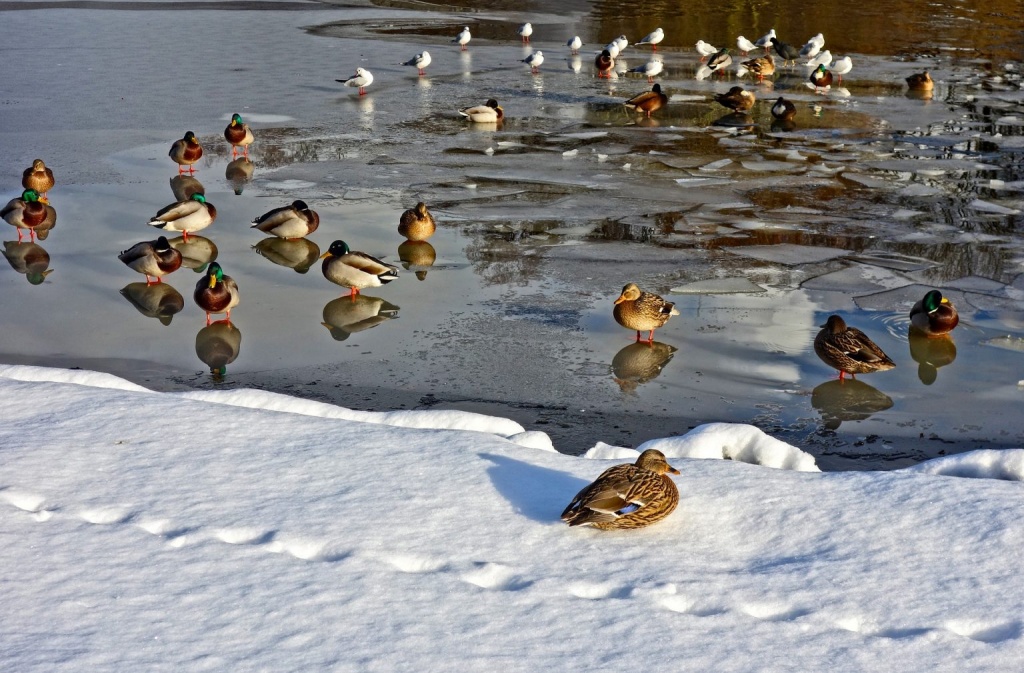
(28, 258)
(916, 94)
(157, 300)
(734, 120)
(217, 345)
(640, 363)
(196, 252)
(294, 253)
(347, 315)
(849, 400)
(239, 173)
(184, 186)
(416, 256)
(783, 125)
(930, 353)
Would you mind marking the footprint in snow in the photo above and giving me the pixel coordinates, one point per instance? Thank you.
(494, 576)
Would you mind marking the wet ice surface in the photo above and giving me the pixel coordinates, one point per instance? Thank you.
(757, 232)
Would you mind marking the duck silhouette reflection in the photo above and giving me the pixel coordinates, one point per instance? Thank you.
(239, 173)
(416, 256)
(734, 120)
(28, 258)
(217, 346)
(930, 353)
(295, 253)
(156, 300)
(196, 252)
(640, 362)
(347, 315)
(847, 400)
(184, 186)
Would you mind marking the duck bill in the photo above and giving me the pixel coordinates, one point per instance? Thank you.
(672, 470)
(213, 282)
(325, 255)
(621, 299)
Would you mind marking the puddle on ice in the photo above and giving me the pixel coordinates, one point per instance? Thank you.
(758, 231)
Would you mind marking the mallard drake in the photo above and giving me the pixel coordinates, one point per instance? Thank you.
(186, 152)
(783, 109)
(362, 79)
(239, 135)
(152, 258)
(736, 99)
(765, 40)
(355, 270)
(417, 224)
(821, 78)
(525, 31)
(762, 67)
(921, 82)
(294, 221)
(604, 64)
(534, 60)
(653, 38)
(786, 52)
(719, 61)
(420, 61)
(705, 50)
(215, 292)
(934, 315)
(842, 66)
(160, 301)
(824, 58)
(489, 112)
(648, 101)
(38, 178)
(574, 43)
(627, 496)
(642, 311)
(849, 350)
(463, 38)
(28, 258)
(189, 216)
(25, 212)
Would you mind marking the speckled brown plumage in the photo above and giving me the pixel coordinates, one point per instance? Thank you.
(417, 224)
(642, 311)
(626, 496)
(849, 350)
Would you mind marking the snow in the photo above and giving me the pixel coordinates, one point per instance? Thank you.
(247, 531)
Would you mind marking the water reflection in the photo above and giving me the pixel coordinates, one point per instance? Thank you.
(217, 346)
(918, 94)
(417, 256)
(931, 353)
(640, 363)
(28, 258)
(849, 400)
(734, 120)
(294, 253)
(157, 300)
(347, 315)
(239, 173)
(196, 252)
(184, 186)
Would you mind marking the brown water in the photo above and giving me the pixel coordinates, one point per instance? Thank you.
(758, 233)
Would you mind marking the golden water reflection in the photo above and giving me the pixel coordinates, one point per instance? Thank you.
(218, 345)
(847, 400)
(156, 300)
(294, 253)
(931, 353)
(28, 258)
(640, 363)
(347, 315)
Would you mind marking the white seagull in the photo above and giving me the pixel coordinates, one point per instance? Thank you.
(419, 61)
(745, 45)
(810, 50)
(653, 39)
(824, 58)
(766, 39)
(650, 69)
(841, 67)
(362, 79)
(534, 60)
(613, 48)
(574, 44)
(525, 31)
(705, 49)
(622, 41)
(463, 38)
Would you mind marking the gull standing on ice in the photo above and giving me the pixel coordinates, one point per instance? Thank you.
(362, 79)
(463, 38)
(824, 58)
(841, 67)
(654, 39)
(534, 60)
(705, 50)
(574, 44)
(525, 31)
(766, 40)
(650, 69)
(420, 61)
(612, 48)
(744, 45)
(621, 42)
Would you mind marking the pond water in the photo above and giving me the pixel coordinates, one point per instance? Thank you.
(758, 232)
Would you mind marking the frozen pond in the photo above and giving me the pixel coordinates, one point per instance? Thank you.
(757, 231)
